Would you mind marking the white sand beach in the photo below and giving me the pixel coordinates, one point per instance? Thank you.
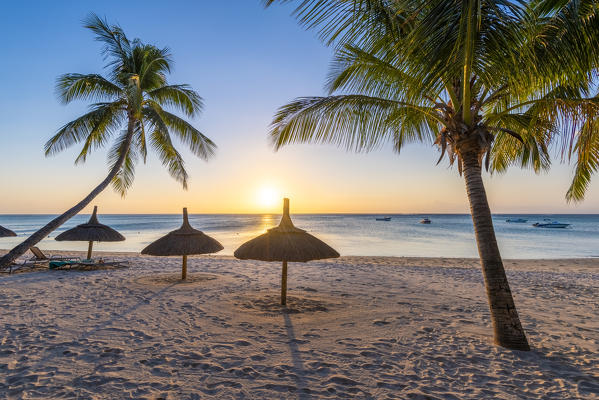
(356, 327)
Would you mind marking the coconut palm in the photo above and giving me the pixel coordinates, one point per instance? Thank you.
(133, 96)
(475, 77)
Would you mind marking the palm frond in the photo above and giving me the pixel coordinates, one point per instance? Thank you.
(355, 122)
(180, 97)
(160, 141)
(95, 87)
(139, 140)
(198, 143)
(529, 151)
(346, 21)
(103, 129)
(124, 178)
(355, 70)
(94, 127)
(117, 48)
(586, 152)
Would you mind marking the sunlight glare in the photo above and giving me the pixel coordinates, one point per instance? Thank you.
(268, 197)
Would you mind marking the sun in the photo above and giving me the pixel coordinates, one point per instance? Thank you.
(268, 197)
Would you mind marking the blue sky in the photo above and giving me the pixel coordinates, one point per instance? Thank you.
(245, 62)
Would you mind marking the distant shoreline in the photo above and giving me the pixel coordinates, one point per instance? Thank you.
(424, 213)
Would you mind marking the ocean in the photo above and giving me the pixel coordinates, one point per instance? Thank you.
(449, 235)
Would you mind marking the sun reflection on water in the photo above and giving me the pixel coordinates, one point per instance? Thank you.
(266, 222)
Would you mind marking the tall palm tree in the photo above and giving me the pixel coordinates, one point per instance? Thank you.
(131, 97)
(476, 77)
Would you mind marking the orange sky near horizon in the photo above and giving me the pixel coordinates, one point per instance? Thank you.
(313, 177)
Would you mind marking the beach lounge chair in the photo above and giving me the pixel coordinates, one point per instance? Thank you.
(38, 255)
(38, 260)
(21, 266)
(24, 265)
(86, 264)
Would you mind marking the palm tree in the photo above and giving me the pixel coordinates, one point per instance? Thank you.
(478, 78)
(133, 95)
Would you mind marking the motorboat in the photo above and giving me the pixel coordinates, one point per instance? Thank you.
(553, 224)
(516, 220)
(425, 221)
(383, 219)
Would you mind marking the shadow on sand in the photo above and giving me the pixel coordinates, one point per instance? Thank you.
(296, 359)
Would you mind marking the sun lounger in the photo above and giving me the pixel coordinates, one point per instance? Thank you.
(38, 260)
(86, 264)
(38, 255)
(27, 264)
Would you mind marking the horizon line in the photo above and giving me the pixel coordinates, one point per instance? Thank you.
(327, 213)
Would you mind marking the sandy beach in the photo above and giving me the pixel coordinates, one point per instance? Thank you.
(355, 327)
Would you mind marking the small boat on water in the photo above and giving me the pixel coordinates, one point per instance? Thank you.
(553, 224)
(516, 220)
(383, 219)
(425, 221)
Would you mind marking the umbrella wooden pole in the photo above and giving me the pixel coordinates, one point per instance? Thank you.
(184, 268)
(284, 284)
(89, 250)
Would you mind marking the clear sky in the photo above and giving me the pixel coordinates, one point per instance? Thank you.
(245, 62)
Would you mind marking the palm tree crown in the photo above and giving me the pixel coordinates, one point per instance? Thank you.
(135, 93)
(501, 76)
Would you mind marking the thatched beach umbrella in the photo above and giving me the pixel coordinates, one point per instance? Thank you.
(285, 243)
(92, 231)
(184, 241)
(6, 232)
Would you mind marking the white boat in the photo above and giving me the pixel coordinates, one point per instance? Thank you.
(516, 220)
(553, 224)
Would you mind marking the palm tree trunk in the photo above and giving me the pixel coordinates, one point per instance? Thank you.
(34, 239)
(507, 329)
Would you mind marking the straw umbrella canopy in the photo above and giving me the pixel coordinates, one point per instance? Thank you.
(6, 232)
(92, 231)
(285, 243)
(184, 241)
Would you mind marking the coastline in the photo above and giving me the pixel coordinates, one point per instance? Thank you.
(415, 328)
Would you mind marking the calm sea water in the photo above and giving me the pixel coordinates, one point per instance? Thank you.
(449, 235)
